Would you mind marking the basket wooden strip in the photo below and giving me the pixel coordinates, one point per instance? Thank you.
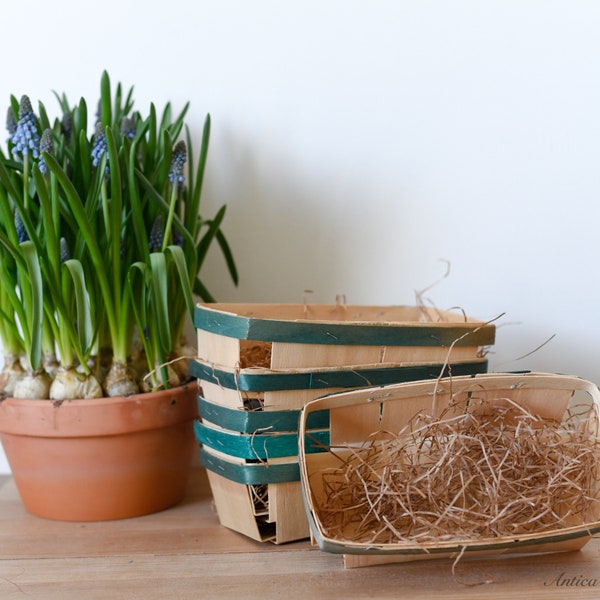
(357, 414)
(258, 379)
(262, 446)
(354, 326)
(292, 400)
(246, 421)
(565, 544)
(254, 473)
(315, 356)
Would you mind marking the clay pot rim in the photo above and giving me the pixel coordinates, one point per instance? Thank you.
(99, 416)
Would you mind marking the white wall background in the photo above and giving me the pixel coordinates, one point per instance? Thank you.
(358, 143)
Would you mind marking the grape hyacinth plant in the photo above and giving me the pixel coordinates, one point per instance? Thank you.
(101, 247)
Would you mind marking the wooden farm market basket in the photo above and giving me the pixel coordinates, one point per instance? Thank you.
(366, 420)
(259, 364)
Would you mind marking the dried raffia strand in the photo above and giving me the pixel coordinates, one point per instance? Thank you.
(486, 473)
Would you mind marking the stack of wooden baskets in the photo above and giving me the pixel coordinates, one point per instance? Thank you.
(260, 364)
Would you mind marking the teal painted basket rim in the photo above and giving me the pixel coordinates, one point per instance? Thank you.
(249, 421)
(250, 473)
(358, 333)
(533, 540)
(263, 380)
(259, 446)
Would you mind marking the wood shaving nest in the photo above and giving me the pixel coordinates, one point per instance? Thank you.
(467, 475)
(255, 354)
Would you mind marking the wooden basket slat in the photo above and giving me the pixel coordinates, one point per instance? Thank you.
(263, 446)
(265, 380)
(244, 421)
(331, 312)
(353, 561)
(245, 473)
(235, 508)
(287, 511)
(217, 348)
(327, 313)
(291, 355)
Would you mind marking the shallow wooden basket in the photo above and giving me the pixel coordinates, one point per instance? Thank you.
(299, 336)
(259, 364)
(355, 416)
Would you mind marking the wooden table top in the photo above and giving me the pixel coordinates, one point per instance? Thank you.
(184, 553)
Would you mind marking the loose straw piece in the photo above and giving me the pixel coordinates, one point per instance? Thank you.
(474, 472)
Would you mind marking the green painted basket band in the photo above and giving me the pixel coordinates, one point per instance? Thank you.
(250, 474)
(246, 421)
(336, 547)
(260, 446)
(321, 379)
(347, 334)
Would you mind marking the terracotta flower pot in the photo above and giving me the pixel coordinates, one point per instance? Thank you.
(108, 458)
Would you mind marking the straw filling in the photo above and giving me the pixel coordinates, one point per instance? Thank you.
(474, 472)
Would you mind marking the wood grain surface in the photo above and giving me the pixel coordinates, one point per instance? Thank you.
(183, 553)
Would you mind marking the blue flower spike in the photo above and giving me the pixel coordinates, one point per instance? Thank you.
(128, 127)
(11, 122)
(46, 145)
(177, 237)
(26, 138)
(66, 126)
(177, 162)
(65, 255)
(100, 145)
(155, 240)
(20, 227)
